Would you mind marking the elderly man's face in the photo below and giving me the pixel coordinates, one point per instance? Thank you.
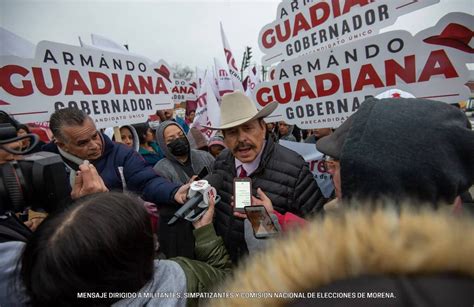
(246, 141)
(82, 141)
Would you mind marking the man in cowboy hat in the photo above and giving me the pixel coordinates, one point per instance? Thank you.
(274, 169)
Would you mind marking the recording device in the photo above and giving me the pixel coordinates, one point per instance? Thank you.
(262, 223)
(242, 193)
(8, 135)
(38, 181)
(199, 193)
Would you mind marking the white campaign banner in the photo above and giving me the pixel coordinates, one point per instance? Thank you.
(113, 88)
(322, 89)
(303, 26)
(184, 90)
(316, 164)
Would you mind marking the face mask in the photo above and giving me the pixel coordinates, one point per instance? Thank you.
(179, 147)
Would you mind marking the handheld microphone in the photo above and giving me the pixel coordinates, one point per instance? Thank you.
(197, 205)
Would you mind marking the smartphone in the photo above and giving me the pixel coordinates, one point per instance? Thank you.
(242, 193)
(203, 173)
(262, 224)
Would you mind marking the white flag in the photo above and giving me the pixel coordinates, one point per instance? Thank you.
(233, 70)
(224, 81)
(208, 109)
(215, 85)
(252, 81)
(104, 42)
(200, 75)
(12, 44)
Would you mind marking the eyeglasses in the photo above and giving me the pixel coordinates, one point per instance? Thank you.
(330, 164)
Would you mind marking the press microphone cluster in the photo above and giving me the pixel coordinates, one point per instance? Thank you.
(198, 201)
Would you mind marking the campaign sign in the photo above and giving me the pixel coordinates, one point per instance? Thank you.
(322, 89)
(316, 164)
(304, 26)
(183, 90)
(113, 88)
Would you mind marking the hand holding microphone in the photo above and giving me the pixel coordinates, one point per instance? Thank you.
(200, 192)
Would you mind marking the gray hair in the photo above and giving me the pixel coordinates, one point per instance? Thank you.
(66, 117)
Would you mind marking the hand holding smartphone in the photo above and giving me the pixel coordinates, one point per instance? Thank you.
(262, 223)
(242, 193)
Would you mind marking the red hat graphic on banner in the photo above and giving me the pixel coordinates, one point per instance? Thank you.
(164, 72)
(455, 36)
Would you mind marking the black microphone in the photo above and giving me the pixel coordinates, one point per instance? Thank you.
(215, 180)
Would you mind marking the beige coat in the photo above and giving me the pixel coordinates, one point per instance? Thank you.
(355, 243)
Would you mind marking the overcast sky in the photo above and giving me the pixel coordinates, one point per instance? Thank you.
(185, 32)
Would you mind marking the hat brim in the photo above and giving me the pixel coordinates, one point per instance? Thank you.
(331, 145)
(267, 110)
(449, 42)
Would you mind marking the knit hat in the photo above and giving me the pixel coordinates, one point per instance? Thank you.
(404, 148)
(331, 145)
(216, 140)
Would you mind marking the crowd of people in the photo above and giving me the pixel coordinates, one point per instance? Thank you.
(399, 220)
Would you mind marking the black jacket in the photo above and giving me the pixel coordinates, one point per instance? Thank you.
(284, 177)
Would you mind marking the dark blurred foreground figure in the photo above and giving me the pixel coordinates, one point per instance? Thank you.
(104, 244)
(405, 257)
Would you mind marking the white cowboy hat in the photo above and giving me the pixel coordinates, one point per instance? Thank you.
(237, 109)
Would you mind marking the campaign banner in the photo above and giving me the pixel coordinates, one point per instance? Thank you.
(113, 88)
(224, 81)
(184, 90)
(322, 89)
(316, 164)
(207, 110)
(303, 26)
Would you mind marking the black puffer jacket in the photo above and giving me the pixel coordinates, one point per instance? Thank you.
(284, 177)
